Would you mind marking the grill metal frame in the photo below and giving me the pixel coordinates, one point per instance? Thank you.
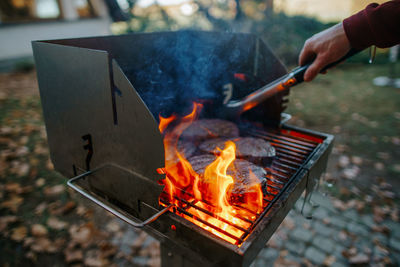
(222, 253)
(279, 177)
(194, 245)
(95, 117)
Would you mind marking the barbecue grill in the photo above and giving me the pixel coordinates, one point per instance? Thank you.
(101, 98)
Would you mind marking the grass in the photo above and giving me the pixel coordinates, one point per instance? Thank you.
(364, 117)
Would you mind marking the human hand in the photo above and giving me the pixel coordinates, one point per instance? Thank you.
(325, 47)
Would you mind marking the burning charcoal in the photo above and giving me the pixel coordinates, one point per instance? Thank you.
(252, 149)
(208, 128)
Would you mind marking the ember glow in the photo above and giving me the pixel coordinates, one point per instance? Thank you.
(213, 207)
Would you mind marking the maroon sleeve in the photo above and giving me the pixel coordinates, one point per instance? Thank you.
(375, 25)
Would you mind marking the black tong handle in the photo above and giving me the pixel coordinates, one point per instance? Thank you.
(298, 73)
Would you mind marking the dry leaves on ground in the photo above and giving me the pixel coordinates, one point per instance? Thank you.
(56, 224)
(12, 203)
(19, 233)
(38, 230)
(56, 190)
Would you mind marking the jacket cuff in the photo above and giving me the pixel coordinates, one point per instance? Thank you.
(358, 30)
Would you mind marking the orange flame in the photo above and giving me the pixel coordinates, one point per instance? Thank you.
(211, 192)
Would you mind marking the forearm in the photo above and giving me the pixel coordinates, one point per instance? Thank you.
(375, 25)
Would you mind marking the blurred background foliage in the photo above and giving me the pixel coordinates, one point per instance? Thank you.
(284, 33)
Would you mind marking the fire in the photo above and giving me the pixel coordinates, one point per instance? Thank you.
(213, 208)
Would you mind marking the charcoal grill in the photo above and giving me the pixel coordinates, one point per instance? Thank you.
(100, 97)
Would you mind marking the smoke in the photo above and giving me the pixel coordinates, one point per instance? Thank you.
(171, 70)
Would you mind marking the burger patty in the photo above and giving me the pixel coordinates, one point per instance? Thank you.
(253, 149)
(185, 148)
(210, 128)
(245, 174)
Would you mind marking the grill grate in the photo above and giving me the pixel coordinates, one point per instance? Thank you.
(292, 152)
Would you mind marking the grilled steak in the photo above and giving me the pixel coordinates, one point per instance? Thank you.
(253, 149)
(209, 128)
(247, 176)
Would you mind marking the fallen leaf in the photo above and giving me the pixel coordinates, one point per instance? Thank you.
(38, 230)
(34, 162)
(383, 155)
(19, 233)
(81, 210)
(359, 259)
(68, 207)
(113, 226)
(40, 182)
(394, 215)
(12, 187)
(21, 169)
(81, 234)
(3, 168)
(356, 160)
(49, 165)
(23, 140)
(351, 172)
(94, 259)
(40, 208)
(343, 161)
(388, 194)
(29, 241)
(22, 151)
(107, 249)
(75, 255)
(40, 150)
(16, 188)
(348, 253)
(32, 256)
(379, 214)
(396, 168)
(41, 244)
(379, 166)
(329, 260)
(56, 224)
(55, 207)
(13, 203)
(6, 130)
(6, 220)
(54, 190)
(5, 140)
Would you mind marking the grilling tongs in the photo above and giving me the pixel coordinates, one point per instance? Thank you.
(234, 108)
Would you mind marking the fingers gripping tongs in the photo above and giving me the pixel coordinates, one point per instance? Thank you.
(234, 108)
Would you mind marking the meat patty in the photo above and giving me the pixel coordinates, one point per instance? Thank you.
(210, 128)
(246, 177)
(185, 148)
(253, 149)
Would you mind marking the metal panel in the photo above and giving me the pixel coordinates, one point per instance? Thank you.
(172, 69)
(76, 94)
